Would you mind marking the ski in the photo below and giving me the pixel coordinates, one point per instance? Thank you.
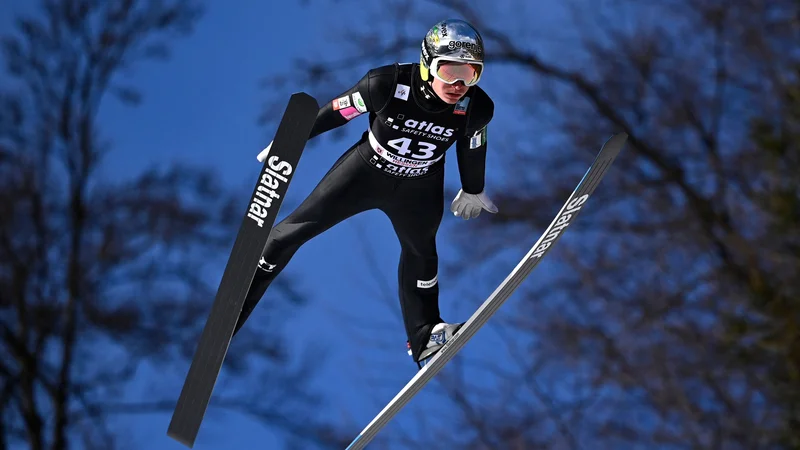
(265, 202)
(569, 211)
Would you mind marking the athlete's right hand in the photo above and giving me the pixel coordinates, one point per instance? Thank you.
(263, 155)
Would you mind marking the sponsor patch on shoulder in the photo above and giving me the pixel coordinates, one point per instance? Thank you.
(401, 91)
(349, 112)
(341, 103)
(358, 102)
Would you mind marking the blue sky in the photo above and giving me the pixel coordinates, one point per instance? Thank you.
(201, 106)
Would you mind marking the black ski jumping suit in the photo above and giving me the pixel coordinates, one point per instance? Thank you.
(398, 167)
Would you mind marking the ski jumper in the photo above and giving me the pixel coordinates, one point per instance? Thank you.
(397, 166)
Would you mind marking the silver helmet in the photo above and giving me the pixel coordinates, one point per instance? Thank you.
(453, 41)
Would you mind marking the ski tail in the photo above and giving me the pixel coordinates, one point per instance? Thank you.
(274, 177)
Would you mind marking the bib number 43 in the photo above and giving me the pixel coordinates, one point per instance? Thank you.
(424, 150)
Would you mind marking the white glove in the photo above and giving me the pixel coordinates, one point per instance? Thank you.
(468, 206)
(263, 155)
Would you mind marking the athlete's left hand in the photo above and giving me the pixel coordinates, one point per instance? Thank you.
(469, 206)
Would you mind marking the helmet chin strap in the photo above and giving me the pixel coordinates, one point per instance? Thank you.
(429, 93)
(432, 100)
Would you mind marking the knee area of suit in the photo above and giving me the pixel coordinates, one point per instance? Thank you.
(420, 250)
(420, 267)
(296, 234)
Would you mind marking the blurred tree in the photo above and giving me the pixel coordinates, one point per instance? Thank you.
(668, 316)
(103, 281)
(773, 335)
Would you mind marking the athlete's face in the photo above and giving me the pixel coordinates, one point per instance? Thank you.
(450, 93)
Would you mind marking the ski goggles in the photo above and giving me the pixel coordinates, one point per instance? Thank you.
(450, 71)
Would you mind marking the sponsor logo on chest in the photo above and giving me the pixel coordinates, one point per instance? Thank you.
(421, 128)
(398, 170)
(424, 127)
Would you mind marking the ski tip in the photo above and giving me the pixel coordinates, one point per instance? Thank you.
(304, 98)
(615, 143)
(620, 137)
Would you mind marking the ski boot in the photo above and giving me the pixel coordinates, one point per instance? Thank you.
(440, 334)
